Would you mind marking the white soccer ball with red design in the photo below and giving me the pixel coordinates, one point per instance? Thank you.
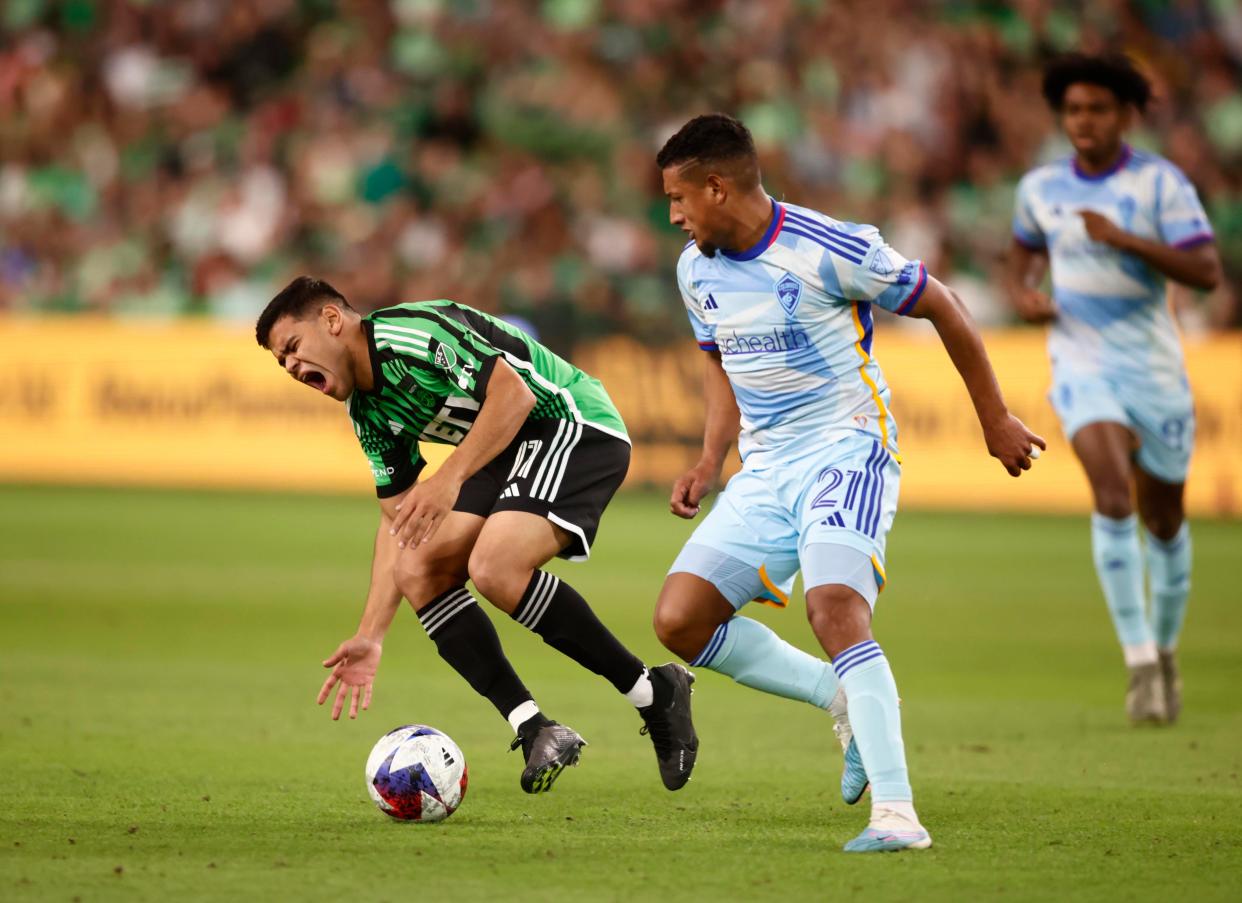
(416, 773)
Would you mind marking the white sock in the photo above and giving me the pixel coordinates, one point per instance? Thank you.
(838, 708)
(642, 694)
(838, 705)
(901, 807)
(523, 713)
(1140, 654)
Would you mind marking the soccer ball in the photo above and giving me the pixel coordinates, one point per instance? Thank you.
(416, 773)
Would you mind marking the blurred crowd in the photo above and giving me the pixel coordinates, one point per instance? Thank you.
(172, 158)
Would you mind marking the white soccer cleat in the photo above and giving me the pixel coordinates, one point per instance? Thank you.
(839, 711)
(889, 832)
(854, 780)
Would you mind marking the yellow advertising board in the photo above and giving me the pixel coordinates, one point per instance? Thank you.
(199, 404)
(945, 463)
(170, 404)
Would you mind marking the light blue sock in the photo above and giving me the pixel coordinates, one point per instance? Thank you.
(1168, 570)
(756, 657)
(875, 715)
(1119, 565)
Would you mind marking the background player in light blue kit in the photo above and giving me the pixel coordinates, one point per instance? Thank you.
(1115, 222)
(780, 298)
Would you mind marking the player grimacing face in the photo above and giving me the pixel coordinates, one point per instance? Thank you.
(1094, 120)
(694, 206)
(310, 350)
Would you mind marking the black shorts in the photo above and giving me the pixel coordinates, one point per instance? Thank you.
(566, 472)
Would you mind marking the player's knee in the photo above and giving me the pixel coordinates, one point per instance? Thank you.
(1165, 523)
(669, 626)
(496, 578)
(408, 573)
(420, 581)
(677, 630)
(839, 616)
(1113, 500)
(687, 614)
(666, 622)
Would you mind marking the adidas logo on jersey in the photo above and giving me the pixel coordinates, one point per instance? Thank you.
(710, 304)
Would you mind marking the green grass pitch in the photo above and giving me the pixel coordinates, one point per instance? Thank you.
(159, 658)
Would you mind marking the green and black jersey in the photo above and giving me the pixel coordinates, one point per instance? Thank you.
(431, 361)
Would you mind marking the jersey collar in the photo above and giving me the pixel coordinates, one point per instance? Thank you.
(1122, 159)
(774, 229)
(377, 374)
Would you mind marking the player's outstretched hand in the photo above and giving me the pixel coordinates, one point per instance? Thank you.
(1010, 442)
(1035, 307)
(423, 510)
(690, 488)
(353, 667)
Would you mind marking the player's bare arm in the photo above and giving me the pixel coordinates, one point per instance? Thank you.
(719, 433)
(1007, 437)
(1198, 266)
(356, 660)
(505, 407)
(1024, 274)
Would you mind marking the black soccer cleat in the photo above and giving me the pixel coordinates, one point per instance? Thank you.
(668, 722)
(548, 748)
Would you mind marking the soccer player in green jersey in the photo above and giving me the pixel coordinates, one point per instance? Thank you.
(540, 451)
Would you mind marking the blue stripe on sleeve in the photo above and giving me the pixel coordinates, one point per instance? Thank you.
(827, 231)
(839, 250)
(908, 304)
(1194, 241)
(1031, 244)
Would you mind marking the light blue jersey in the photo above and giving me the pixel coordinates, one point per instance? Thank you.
(1116, 356)
(791, 318)
(1112, 318)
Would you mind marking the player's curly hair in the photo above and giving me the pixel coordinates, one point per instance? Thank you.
(712, 138)
(296, 299)
(1114, 72)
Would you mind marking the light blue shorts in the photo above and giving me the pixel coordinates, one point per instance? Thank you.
(827, 513)
(1161, 416)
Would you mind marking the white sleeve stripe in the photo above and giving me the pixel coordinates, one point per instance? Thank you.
(403, 330)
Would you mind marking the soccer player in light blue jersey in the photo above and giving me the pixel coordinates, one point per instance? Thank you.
(1115, 223)
(780, 300)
